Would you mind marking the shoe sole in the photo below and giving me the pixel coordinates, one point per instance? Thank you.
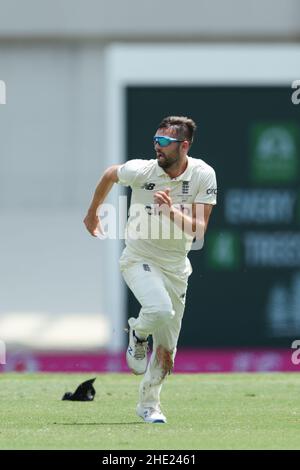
(156, 421)
(134, 372)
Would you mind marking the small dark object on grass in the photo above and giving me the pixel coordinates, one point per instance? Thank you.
(84, 392)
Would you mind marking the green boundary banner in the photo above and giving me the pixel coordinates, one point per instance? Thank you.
(245, 286)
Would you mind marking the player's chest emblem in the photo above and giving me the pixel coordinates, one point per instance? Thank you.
(185, 187)
(184, 195)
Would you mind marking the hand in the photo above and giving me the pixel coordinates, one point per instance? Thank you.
(164, 201)
(163, 197)
(92, 224)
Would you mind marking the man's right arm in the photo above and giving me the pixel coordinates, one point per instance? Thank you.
(110, 176)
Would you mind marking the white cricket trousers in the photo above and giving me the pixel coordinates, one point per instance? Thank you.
(162, 297)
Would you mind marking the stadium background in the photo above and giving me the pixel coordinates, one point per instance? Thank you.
(87, 83)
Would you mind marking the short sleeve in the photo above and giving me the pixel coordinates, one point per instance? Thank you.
(128, 173)
(207, 191)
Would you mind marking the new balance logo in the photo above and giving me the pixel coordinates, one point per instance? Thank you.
(149, 186)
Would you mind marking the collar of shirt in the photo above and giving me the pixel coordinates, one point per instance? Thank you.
(186, 175)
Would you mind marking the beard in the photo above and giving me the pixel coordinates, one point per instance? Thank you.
(166, 162)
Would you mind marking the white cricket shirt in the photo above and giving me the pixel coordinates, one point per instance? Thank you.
(150, 234)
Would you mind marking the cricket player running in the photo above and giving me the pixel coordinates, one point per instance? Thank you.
(173, 196)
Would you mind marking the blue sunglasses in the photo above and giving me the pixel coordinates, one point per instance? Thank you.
(164, 141)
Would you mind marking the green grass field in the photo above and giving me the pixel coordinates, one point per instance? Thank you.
(205, 411)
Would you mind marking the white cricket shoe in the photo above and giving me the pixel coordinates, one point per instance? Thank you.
(136, 354)
(151, 415)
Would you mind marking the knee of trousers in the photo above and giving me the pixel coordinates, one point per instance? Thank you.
(161, 312)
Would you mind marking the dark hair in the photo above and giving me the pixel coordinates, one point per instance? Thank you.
(183, 126)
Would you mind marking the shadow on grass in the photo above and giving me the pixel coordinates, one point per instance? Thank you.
(97, 424)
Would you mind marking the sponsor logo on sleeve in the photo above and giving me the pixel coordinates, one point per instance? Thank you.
(211, 191)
